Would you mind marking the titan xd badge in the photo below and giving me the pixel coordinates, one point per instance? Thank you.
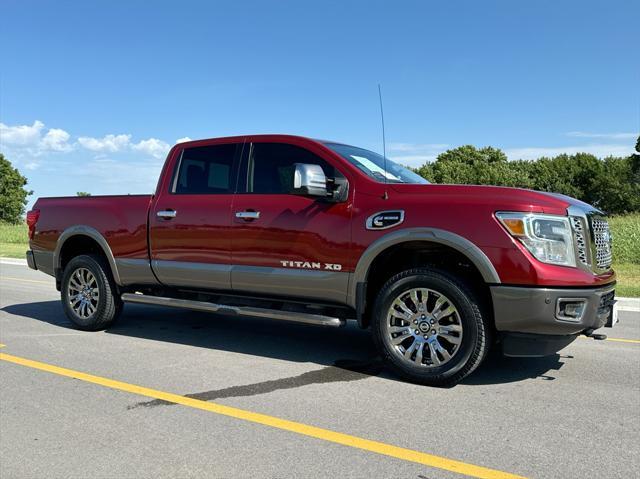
(385, 219)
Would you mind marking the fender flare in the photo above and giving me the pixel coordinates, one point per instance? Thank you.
(83, 230)
(431, 235)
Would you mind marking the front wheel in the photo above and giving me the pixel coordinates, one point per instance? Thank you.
(429, 327)
(88, 293)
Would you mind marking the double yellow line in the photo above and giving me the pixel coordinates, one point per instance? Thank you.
(283, 424)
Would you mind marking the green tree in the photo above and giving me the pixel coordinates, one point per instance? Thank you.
(619, 188)
(83, 193)
(472, 166)
(471, 155)
(13, 194)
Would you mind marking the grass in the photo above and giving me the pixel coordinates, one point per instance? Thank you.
(626, 253)
(13, 240)
(626, 238)
(626, 249)
(628, 280)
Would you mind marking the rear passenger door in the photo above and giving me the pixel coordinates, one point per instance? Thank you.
(190, 220)
(286, 244)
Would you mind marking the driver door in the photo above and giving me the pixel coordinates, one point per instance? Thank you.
(286, 244)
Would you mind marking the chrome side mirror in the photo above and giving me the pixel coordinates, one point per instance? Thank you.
(309, 180)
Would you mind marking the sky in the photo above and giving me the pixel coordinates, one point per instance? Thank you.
(93, 94)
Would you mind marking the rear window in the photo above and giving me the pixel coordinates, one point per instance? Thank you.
(206, 170)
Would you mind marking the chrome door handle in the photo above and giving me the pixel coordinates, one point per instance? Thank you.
(248, 215)
(167, 214)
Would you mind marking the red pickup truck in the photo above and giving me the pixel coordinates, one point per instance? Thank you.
(319, 232)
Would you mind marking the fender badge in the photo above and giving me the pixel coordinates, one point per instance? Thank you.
(385, 219)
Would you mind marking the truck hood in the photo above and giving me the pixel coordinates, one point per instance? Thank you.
(495, 197)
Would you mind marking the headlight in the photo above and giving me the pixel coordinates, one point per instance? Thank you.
(549, 238)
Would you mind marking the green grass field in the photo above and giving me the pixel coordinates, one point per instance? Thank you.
(626, 249)
(13, 240)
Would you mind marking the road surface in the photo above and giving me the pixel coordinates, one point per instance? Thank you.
(251, 398)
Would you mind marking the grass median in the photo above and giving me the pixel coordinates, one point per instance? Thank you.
(626, 249)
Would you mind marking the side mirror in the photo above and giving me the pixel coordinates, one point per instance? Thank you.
(309, 180)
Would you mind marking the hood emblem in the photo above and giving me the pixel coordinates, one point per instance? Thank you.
(385, 219)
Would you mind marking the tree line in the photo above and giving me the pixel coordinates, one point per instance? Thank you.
(611, 184)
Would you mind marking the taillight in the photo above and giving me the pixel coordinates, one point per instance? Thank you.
(32, 219)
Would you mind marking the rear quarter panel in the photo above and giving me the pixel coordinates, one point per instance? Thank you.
(121, 220)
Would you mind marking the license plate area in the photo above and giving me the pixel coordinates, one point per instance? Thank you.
(607, 309)
(612, 319)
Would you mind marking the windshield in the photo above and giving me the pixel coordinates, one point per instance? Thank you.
(373, 165)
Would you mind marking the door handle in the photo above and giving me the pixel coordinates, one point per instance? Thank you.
(167, 214)
(248, 215)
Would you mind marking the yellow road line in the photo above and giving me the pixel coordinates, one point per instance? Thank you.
(619, 340)
(25, 280)
(622, 340)
(291, 426)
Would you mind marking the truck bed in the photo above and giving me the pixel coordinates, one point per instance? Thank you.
(120, 219)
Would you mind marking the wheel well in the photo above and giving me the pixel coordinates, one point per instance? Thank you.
(77, 245)
(413, 254)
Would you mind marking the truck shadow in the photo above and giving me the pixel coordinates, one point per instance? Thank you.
(347, 353)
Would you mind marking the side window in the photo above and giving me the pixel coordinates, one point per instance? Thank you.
(206, 170)
(271, 166)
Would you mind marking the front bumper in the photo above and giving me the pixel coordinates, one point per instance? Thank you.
(529, 323)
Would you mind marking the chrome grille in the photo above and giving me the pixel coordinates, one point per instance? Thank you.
(602, 242)
(580, 239)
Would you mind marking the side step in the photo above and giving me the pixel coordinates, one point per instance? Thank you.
(295, 317)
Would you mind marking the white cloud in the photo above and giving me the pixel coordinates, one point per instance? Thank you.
(28, 142)
(183, 140)
(110, 143)
(57, 140)
(153, 147)
(32, 165)
(121, 143)
(21, 135)
(599, 150)
(607, 136)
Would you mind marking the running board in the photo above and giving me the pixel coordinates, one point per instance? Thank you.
(306, 318)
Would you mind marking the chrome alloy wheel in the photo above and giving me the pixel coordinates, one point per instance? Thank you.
(423, 327)
(83, 293)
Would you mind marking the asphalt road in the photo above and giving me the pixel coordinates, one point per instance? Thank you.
(573, 415)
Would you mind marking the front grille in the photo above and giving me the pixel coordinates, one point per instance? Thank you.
(580, 238)
(602, 243)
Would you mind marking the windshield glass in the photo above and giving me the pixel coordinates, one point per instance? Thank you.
(373, 165)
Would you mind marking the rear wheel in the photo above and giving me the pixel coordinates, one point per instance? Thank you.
(88, 293)
(429, 327)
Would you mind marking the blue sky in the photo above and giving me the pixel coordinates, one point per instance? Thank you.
(92, 94)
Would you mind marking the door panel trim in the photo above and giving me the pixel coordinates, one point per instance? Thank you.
(135, 271)
(301, 283)
(191, 274)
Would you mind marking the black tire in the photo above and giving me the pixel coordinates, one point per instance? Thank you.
(108, 305)
(475, 338)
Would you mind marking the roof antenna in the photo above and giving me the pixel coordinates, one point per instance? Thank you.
(384, 145)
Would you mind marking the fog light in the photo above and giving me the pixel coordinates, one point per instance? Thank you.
(570, 309)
